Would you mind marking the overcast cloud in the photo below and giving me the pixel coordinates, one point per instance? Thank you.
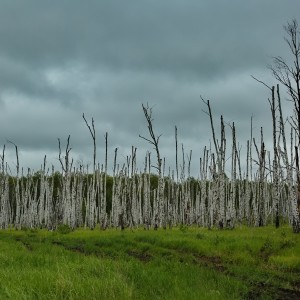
(59, 59)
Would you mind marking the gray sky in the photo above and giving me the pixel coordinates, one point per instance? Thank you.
(59, 59)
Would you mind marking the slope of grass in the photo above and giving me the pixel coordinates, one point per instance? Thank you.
(182, 263)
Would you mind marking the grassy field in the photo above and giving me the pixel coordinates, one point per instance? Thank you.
(182, 263)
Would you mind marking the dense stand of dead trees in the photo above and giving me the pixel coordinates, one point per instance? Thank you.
(266, 192)
(77, 197)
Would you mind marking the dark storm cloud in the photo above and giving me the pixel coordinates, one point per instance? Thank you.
(173, 36)
(59, 59)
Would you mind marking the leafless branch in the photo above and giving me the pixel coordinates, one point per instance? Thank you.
(66, 166)
(261, 82)
(17, 156)
(153, 140)
(93, 134)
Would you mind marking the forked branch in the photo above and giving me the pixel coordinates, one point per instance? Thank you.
(153, 140)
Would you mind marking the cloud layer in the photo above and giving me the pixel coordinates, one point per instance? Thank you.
(59, 59)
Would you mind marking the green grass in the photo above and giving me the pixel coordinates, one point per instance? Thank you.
(182, 263)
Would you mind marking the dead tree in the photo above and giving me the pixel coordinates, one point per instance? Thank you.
(19, 203)
(275, 160)
(103, 202)
(66, 165)
(65, 207)
(261, 203)
(209, 113)
(115, 206)
(288, 74)
(219, 167)
(154, 141)
(93, 134)
(176, 154)
(275, 170)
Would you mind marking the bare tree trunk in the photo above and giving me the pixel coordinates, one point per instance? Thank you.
(154, 140)
(275, 189)
(102, 212)
(262, 167)
(289, 77)
(231, 212)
